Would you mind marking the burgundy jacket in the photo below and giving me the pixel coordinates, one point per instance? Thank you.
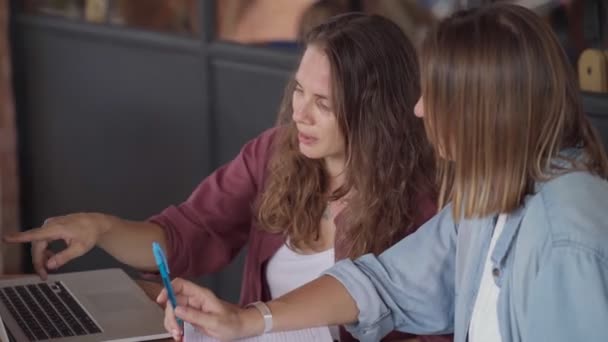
(209, 229)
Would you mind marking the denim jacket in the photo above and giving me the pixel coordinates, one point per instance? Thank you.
(550, 263)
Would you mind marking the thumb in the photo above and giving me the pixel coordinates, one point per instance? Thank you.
(63, 257)
(196, 295)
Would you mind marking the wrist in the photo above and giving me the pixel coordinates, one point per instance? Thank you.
(252, 321)
(104, 223)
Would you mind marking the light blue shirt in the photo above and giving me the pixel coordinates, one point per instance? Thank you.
(550, 262)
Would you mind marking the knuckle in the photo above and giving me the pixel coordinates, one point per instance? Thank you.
(39, 245)
(206, 292)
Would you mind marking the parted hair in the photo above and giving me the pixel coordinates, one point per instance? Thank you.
(501, 104)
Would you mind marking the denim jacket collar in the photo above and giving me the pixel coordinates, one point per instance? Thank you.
(505, 240)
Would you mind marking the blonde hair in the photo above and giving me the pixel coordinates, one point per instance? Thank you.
(501, 102)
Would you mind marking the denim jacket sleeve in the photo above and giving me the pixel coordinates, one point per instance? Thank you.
(565, 297)
(409, 287)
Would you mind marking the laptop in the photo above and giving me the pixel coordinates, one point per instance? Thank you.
(101, 305)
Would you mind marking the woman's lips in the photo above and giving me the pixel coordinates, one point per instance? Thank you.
(306, 139)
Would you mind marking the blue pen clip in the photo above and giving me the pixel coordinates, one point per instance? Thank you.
(163, 268)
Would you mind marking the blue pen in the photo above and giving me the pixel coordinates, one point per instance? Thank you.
(163, 267)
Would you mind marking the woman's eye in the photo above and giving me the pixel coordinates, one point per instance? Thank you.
(323, 106)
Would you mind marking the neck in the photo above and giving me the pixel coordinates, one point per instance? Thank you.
(335, 167)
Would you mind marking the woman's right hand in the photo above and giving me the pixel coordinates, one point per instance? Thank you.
(80, 232)
(208, 314)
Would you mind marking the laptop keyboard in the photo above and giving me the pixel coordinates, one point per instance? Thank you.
(47, 310)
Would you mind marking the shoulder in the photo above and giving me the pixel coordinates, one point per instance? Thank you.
(572, 209)
(257, 153)
(262, 144)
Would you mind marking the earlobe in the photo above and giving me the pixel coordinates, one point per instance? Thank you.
(419, 109)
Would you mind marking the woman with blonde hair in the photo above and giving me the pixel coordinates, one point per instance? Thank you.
(519, 251)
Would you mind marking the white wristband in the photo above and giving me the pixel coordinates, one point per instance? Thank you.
(265, 311)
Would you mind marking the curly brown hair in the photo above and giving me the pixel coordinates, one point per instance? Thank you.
(389, 163)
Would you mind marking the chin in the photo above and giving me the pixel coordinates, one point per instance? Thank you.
(310, 153)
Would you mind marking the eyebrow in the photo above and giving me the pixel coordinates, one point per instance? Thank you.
(317, 95)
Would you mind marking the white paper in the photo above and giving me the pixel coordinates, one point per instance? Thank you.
(319, 334)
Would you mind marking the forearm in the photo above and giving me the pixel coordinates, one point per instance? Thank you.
(130, 242)
(322, 302)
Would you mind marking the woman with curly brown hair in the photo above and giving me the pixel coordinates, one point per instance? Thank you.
(347, 171)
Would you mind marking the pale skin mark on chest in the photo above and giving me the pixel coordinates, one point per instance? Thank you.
(327, 228)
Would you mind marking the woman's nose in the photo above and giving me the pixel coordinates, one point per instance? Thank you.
(301, 113)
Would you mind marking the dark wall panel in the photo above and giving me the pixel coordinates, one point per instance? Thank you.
(601, 124)
(245, 102)
(596, 107)
(108, 126)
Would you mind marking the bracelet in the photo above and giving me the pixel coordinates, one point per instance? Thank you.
(265, 311)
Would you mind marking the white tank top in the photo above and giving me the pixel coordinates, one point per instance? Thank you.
(287, 270)
(484, 321)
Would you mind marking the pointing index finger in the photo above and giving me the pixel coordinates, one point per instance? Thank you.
(36, 234)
